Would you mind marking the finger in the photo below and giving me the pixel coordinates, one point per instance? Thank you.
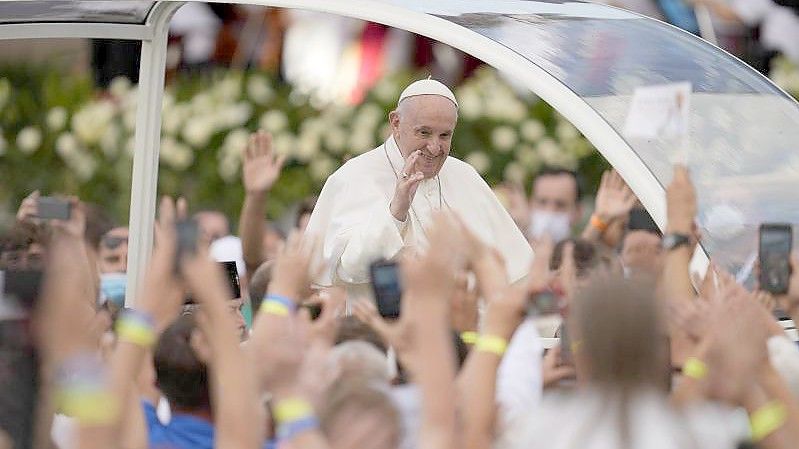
(249, 150)
(182, 209)
(280, 161)
(410, 162)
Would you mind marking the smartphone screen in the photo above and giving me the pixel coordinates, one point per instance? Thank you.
(50, 208)
(640, 220)
(776, 241)
(543, 303)
(187, 234)
(387, 288)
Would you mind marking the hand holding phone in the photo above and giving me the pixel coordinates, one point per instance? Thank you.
(188, 233)
(775, 245)
(387, 287)
(50, 208)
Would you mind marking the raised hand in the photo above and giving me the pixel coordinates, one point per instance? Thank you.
(290, 276)
(681, 202)
(790, 301)
(75, 225)
(552, 369)
(614, 199)
(28, 209)
(405, 190)
(260, 166)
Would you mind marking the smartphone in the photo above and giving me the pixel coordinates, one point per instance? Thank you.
(387, 287)
(543, 303)
(640, 220)
(776, 241)
(187, 234)
(233, 278)
(50, 208)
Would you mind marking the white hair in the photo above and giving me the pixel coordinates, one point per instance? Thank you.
(359, 358)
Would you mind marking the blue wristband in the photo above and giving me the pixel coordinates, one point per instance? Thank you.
(282, 300)
(291, 429)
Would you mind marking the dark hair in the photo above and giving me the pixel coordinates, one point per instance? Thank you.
(259, 283)
(351, 328)
(558, 171)
(98, 223)
(586, 256)
(180, 375)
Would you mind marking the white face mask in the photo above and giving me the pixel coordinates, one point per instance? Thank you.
(554, 224)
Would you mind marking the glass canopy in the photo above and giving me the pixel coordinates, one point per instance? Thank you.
(743, 130)
(131, 12)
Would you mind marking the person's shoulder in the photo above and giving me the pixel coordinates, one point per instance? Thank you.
(360, 162)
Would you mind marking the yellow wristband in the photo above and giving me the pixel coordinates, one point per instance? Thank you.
(470, 337)
(135, 332)
(767, 419)
(88, 407)
(493, 344)
(292, 410)
(274, 308)
(694, 368)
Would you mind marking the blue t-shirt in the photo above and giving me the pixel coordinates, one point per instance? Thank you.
(182, 432)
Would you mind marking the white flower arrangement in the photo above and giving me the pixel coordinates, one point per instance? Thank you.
(504, 138)
(56, 119)
(29, 139)
(259, 90)
(273, 121)
(90, 122)
(479, 160)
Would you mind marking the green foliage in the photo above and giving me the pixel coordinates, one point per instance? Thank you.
(60, 135)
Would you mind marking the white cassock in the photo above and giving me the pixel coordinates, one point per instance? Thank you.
(353, 219)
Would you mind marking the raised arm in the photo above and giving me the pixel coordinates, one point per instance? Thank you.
(239, 418)
(260, 169)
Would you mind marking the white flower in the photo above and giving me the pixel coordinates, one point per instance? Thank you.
(119, 86)
(168, 101)
(5, 92)
(273, 121)
(307, 147)
(566, 131)
(173, 118)
(321, 168)
(29, 139)
(470, 105)
(3, 145)
(229, 88)
(370, 115)
(335, 140)
(130, 146)
(532, 130)
(259, 90)
(90, 122)
(386, 90)
(284, 143)
(515, 110)
(203, 104)
(175, 154)
(56, 118)
(527, 157)
(110, 141)
(503, 138)
(129, 120)
(228, 169)
(514, 172)
(235, 142)
(479, 160)
(361, 140)
(548, 150)
(66, 144)
(233, 115)
(83, 165)
(198, 131)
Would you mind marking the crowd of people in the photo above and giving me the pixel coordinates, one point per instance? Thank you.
(646, 359)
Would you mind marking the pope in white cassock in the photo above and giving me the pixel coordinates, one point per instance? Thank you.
(382, 201)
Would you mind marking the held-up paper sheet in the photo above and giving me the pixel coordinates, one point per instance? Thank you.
(661, 112)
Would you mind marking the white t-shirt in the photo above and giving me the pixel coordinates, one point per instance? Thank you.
(586, 420)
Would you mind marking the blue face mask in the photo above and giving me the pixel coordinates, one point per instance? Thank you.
(112, 287)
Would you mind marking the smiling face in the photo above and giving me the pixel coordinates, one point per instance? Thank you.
(425, 123)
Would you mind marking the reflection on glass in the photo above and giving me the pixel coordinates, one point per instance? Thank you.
(743, 130)
(69, 11)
